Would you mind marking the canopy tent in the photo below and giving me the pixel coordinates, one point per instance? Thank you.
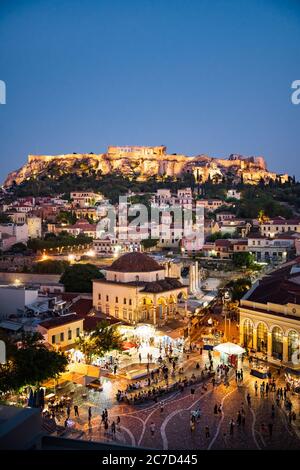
(230, 349)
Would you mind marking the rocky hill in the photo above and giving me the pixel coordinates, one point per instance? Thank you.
(142, 163)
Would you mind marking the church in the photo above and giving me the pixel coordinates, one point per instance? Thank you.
(137, 290)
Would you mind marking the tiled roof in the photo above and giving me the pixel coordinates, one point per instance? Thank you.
(279, 287)
(135, 262)
(58, 321)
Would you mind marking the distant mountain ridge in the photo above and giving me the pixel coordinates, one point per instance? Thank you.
(146, 162)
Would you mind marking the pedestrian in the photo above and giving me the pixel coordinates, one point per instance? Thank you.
(207, 433)
(231, 427)
(152, 428)
(239, 418)
(161, 407)
(256, 387)
(248, 399)
(213, 382)
(115, 369)
(140, 357)
(216, 409)
(118, 422)
(106, 413)
(192, 425)
(113, 428)
(76, 410)
(68, 411)
(89, 414)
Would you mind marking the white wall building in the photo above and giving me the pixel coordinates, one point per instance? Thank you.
(14, 298)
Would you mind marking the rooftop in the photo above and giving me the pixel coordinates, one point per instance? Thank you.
(135, 262)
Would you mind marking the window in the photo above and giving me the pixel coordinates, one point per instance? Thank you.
(62, 336)
(125, 301)
(107, 298)
(99, 296)
(53, 339)
(130, 302)
(69, 334)
(77, 332)
(117, 300)
(125, 313)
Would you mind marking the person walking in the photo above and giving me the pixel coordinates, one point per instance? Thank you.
(113, 429)
(161, 407)
(152, 428)
(76, 410)
(207, 432)
(68, 411)
(118, 423)
(256, 387)
(90, 414)
(248, 399)
(231, 427)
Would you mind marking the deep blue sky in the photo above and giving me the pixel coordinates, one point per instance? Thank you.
(199, 76)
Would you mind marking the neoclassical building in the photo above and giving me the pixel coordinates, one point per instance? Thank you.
(136, 289)
(270, 315)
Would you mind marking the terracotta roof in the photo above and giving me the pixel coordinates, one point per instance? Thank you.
(169, 283)
(279, 287)
(58, 321)
(223, 242)
(135, 262)
(82, 307)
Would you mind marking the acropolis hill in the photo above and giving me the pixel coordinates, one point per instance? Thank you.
(145, 162)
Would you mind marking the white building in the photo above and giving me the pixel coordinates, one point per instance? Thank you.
(14, 299)
(274, 227)
(34, 227)
(233, 193)
(20, 231)
(85, 198)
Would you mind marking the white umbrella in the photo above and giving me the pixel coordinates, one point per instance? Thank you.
(229, 348)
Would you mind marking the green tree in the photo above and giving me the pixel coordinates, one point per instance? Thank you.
(31, 363)
(50, 266)
(18, 248)
(78, 277)
(244, 259)
(103, 339)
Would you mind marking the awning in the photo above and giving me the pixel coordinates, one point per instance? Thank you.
(230, 349)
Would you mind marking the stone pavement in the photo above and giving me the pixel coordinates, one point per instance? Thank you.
(172, 425)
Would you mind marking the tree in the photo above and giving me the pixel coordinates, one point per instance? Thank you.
(149, 243)
(50, 266)
(78, 277)
(66, 217)
(18, 248)
(103, 339)
(4, 218)
(31, 363)
(239, 287)
(244, 259)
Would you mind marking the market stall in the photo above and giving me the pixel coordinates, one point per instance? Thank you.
(230, 353)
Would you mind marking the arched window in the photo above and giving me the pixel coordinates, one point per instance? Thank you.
(262, 338)
(248, 333)
(277, 342)
(293, 343)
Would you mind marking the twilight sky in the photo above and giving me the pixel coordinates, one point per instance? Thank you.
(198, 76)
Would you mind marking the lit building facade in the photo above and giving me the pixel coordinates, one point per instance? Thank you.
(136, 289)
(270, 316)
